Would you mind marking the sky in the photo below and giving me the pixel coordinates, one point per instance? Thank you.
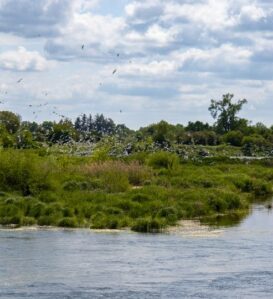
(171, 58)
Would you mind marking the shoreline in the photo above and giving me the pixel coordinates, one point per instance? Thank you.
(192, 228)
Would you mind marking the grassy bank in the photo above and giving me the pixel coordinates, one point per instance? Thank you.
(145, 192)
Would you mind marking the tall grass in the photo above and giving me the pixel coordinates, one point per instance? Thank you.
(76, 192)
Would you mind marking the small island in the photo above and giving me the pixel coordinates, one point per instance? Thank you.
(95, 174)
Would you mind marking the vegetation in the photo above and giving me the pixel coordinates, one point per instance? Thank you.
(146, 196)
(94, 173)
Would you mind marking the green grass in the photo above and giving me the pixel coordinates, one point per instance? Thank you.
(146, 195)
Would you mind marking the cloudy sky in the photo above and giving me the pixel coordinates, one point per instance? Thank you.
(171, 57)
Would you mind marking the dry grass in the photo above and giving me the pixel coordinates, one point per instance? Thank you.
(137, 174)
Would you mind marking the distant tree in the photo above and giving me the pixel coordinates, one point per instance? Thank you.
(63, 132)
(162, 133)
(197, 126)
(77, 124)
(33, 127)
(104, 126)
(225, 112)
(122, 131)
(84, 125)
(10, 121)
(6, 139)
(24, 139)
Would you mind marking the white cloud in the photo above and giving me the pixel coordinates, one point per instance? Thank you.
(252, 13)
(213, 14)
(186, 51)
(23, 60)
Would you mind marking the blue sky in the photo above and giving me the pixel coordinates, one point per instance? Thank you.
(171, 58)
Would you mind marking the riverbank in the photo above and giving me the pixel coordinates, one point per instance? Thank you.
(144, 192)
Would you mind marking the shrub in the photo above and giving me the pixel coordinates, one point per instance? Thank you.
(169, 213)
(28, 221)
(7, 220)
(67, 212)
(47, 220)
(149, 225)
(163, 160)
(102, 221)
(67, 222)
(234, 138)
(71, 186)
(262, 188)
(48, 197)
(217, 203)
(22, 171)
(233, 201)
(36, 210)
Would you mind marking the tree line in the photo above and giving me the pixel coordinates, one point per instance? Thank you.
(228, 128)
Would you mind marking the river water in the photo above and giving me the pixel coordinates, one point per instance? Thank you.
(234, 262)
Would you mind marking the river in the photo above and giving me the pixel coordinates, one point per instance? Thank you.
(232, 262)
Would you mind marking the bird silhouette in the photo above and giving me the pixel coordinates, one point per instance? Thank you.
(20, 80)
(114, 71)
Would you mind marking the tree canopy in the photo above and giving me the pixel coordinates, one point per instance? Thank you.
(225, 112)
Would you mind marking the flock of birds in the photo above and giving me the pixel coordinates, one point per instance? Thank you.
(80, 147)
(36, 109)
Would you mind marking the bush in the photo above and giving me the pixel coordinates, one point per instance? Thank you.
(233, 201)
(23, 172)
(67, 212)
(47, 221)
(217, 203)
(36, 210)
(163, 160)
(169, 213)
(28, 221)
(234, 138)
(102, 221)
(68, 222)
(14, 220)
(48, 197)
(149, 225)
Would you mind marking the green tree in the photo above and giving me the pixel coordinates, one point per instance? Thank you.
(197, 126)
(225, 112)
(6, 139)
(10, 121)
(63, 132)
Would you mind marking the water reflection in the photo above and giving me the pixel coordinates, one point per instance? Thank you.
(229, 220)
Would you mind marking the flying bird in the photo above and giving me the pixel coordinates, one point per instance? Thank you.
(20, 80)
(82, 47)
(114, 71)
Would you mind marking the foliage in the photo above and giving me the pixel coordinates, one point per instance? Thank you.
(226, 112)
